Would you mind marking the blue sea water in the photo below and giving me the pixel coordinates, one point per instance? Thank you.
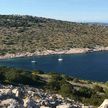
(90, 66)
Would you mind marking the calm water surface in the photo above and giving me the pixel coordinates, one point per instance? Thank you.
(91, 66)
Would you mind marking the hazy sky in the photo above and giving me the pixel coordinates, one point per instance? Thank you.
(72, 10)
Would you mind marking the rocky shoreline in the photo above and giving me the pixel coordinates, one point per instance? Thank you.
(52, 52)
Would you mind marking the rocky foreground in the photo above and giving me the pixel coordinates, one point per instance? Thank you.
(30, 97)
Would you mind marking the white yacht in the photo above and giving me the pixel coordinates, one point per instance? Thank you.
(60, 58)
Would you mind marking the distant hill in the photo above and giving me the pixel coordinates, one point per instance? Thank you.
(98, 23)
(27, 33)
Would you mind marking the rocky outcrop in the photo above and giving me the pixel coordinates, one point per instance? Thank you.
(30, 97)
(104, 104)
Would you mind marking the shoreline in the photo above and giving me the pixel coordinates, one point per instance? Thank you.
(52, 52)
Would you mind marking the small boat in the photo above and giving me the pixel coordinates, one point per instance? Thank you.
(60, 59)
(33, 61)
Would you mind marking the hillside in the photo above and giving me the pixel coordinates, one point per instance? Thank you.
(27, 33)
(70, 88)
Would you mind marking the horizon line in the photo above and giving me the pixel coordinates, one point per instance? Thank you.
(60, 19)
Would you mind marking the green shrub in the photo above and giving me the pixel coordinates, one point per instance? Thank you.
(83, 92)
(98, 88)
(66, 90)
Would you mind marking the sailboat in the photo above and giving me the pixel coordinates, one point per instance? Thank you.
(33, 61)
(60, 59)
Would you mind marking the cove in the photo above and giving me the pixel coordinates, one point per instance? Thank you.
(90, 66)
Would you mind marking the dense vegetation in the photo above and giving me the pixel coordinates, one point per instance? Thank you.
(83, 91)
(17, 76)
(88, 95)
(27, 33)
